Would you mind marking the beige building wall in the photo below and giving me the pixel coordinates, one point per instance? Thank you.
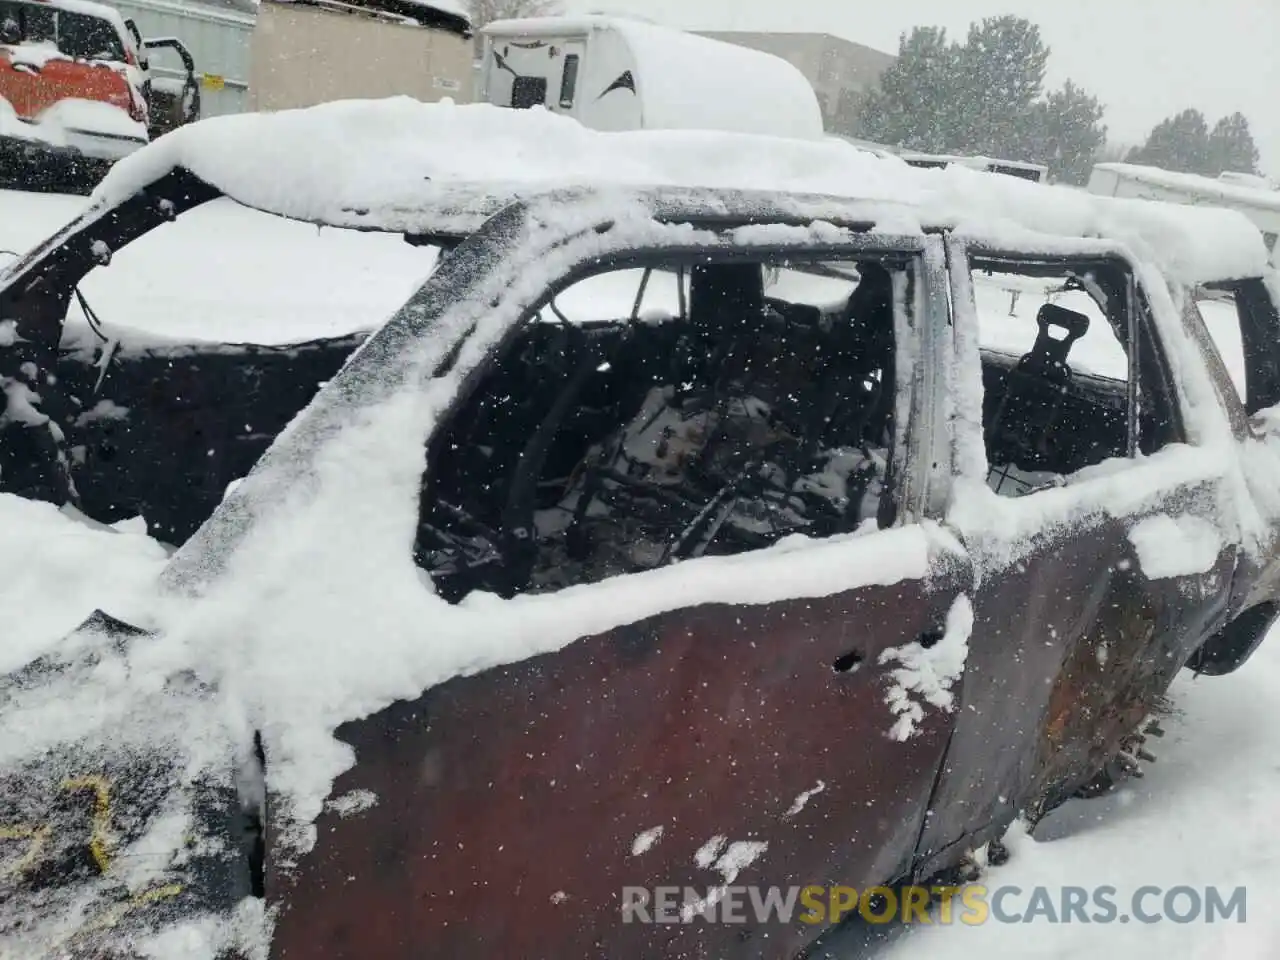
(840, 71)
(303, 54)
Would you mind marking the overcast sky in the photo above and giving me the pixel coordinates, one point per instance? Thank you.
(1145, 59)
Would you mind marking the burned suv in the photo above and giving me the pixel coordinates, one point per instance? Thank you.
(665, 537)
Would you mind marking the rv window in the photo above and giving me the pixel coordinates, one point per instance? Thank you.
(528, 92)
(569, 81)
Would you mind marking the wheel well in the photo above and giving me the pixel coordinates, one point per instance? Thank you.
(1228, 649)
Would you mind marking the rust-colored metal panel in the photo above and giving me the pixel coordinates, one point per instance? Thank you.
(1072, 648)
(1025, 622)
(508, 802)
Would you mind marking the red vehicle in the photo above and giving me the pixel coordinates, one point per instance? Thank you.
(72, 77)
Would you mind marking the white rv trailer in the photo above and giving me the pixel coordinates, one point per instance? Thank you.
(1036, 172)
(1262, 206)
(614, 73)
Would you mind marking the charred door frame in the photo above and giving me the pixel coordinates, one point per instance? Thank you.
(645, 666)
(920, 465)
(1254, 587)
(1058, 589)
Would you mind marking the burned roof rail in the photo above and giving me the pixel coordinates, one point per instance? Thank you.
(45, 276)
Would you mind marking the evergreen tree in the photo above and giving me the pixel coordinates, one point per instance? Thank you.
(1068, 134)
(912, 106)
(1000, 74)
(1180, 143)
(983, 97)
(1231, 146)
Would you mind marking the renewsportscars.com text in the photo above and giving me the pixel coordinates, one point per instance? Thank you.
(971, 904)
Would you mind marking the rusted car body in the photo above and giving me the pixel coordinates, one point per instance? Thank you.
(798, 687)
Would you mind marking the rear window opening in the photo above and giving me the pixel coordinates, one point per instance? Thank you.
(646, 417)
(1057, 347)
(1243, 323)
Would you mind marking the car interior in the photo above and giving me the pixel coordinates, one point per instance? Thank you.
(599, 448)
(1039, 424)
(1046, 414)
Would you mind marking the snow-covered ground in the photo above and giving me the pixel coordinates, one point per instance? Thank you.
(1201, 817)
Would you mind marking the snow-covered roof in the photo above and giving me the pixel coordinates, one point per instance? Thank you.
(689, 82)
(395, 164)
(1193, 184)
(447, 14)
(91, 9)
(87, 7)
(976, 160)
(452, 7)
(1247, 180)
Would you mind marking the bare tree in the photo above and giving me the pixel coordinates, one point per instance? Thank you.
(486, 11)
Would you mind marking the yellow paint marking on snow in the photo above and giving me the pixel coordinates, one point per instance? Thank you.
(101, 834)
(37, 836)
(110, 918)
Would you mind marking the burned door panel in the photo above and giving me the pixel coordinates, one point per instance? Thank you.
(1240, 320)
(511, 804)
(168, 429)
(1081, 619)
(508, 803)
(1027, 620)
(1072, 648)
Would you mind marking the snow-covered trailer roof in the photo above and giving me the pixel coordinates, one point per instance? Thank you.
(407, 167)
(1193, 186)
(978, 162)
(689, 82)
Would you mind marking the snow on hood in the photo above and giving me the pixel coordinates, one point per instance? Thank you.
(92, 116)
(36, 54)
(385, 164)
(71, 116)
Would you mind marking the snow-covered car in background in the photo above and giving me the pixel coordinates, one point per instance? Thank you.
(71, 77)
(672, 533)
(75, 91)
